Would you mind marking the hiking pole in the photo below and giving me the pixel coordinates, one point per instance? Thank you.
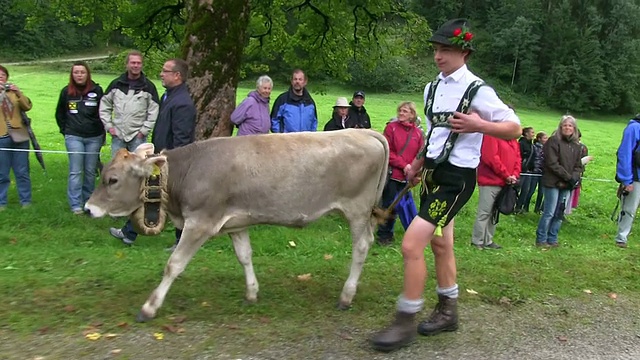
(382, 215)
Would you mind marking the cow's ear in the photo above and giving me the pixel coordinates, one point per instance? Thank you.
(158, 161)
(144, 149)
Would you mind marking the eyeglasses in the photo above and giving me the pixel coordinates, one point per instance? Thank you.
(168, 71)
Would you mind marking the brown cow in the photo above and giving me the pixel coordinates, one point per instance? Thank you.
(225, 185)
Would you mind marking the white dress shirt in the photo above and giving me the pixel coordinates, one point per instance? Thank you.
(486, 103)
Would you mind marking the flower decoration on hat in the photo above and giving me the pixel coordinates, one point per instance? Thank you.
(462, 37)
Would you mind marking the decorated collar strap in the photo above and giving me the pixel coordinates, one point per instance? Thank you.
(441, 119)
(151, 217)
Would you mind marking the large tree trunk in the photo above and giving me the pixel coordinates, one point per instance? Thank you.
(213, 44)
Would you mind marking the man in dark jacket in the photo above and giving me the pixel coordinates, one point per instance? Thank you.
(357, 112)
(174, 128)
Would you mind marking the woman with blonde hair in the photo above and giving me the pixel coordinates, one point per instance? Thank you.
(405, 140)
(561, 173)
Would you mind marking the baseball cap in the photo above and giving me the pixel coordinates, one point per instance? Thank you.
(358, 93)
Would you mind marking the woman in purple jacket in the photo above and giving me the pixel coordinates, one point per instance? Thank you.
(252, 115)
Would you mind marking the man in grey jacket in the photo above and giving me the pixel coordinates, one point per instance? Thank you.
(129, 107)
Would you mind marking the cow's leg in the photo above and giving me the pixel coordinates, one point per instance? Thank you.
(190, 241)
(242, 246)
(362, 238)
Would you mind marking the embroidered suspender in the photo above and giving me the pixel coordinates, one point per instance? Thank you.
(441, 119)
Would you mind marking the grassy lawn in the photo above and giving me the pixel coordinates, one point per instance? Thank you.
(60, 273)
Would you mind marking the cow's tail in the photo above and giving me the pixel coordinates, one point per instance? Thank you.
(379, 214)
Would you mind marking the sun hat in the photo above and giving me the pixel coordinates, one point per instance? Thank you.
(342, 102)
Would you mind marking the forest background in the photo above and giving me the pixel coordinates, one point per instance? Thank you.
(576, 56)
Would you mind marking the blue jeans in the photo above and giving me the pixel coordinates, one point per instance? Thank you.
(117, 144)
(528, 184)
(19, 162)
(552, 214)
(82, 168)
(131, 234)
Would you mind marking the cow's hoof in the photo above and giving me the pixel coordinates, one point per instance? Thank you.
(248, 302)
(343, 306)
(142, 317)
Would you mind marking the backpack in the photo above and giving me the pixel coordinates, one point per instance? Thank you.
(505, 202)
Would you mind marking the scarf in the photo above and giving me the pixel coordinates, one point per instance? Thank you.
(7, 105)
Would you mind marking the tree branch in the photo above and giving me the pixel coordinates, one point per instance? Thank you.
(325, 18)
(269, 24)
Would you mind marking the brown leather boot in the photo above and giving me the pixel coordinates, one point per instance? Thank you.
(443, 318)
(401, 332)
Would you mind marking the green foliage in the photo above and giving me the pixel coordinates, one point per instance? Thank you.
(23, 38)
(397, 74)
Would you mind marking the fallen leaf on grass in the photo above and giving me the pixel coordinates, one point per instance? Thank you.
(13, 241)
(110, 336)
(69, 308)
(38, 358)
(89, 330)
(346, 336)
(205, 304)
(96, 324)
(328, 256)
(292, 244)
(562, 338)
(587, 291)
(158, 336)
(233, 327)
(304, 277)
(43, 330)
(472, 292)
(93, 336)
(613, 296)
(170, 328)
(265, 320)
(115, 351)
(505, 300)
(123, 325)
(120, 254)
(178, 319)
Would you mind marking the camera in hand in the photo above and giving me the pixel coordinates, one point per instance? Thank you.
(7, 86)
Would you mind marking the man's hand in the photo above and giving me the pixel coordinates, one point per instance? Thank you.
(413, 175)
(628, 188)
(466, 123)
(112, 131)
(511, 180)
(574, 182)
(406, 169)
(140, 135)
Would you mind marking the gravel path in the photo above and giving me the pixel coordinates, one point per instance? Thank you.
(590, 328)
(51, 61)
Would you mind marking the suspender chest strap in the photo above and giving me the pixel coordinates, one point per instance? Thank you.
(441, 119)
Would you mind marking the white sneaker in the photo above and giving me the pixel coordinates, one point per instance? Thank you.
(171, 249)
(118, 234)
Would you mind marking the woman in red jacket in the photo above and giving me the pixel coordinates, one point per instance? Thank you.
(500, 165)
(405, 140)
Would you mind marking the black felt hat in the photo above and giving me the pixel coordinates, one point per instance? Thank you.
(455, 32)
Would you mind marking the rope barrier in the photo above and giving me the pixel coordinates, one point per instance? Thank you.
(51, 151)
(583, 178)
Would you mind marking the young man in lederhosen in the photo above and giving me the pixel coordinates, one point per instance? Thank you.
(459, 109)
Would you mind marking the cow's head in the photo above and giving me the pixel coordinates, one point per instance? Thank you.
(120, 190)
